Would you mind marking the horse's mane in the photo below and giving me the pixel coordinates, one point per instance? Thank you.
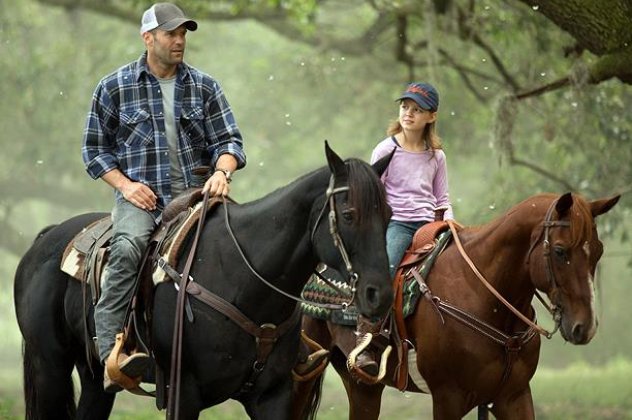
(580, 216)
(367, 192)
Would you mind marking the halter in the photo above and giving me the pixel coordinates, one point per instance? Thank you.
(333, 230)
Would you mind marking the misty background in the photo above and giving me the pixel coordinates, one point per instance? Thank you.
(534, 98)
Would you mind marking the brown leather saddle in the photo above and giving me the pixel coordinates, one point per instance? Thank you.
(413, 263)
(86, 254)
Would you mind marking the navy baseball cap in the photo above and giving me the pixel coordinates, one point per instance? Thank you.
(424, 94)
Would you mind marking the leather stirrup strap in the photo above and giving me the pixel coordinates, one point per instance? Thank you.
(173, 402)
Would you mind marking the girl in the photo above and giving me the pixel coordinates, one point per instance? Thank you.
(416, 183)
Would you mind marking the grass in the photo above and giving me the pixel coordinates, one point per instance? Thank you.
(579, 391)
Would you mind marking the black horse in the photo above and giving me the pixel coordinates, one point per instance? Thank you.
(336, 215)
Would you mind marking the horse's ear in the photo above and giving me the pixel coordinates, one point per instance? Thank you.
(380, 165)
(564, 203)
(604, 205)
(336, 164)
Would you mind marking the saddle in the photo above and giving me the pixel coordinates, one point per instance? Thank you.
(417, 261)
(86, 255)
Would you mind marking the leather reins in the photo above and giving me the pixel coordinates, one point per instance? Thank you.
(333, 230)
(555, 310)
(267, 334)
(176, 346)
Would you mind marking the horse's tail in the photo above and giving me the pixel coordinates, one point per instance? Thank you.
(31, 410)
(313, 402)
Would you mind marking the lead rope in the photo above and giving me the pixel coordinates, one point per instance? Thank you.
(469, 262)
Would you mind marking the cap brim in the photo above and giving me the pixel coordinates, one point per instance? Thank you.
(190, 24)
(418, 100)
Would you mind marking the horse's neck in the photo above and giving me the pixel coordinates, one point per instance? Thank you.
(500, 252)
(277, 230)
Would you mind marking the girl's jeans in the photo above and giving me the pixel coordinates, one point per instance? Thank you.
(399, 236)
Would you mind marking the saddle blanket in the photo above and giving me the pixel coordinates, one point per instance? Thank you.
(320, 292)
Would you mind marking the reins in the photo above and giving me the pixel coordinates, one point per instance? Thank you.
(333, 230)
(547, 224)
(267, 334)
(176, 348)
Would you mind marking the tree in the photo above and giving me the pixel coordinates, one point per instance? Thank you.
(548, 79)
(599, 39)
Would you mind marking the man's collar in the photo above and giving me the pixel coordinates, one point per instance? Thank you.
(141, 67)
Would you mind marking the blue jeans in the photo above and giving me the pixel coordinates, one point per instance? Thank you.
(131, 229)
(399, 236)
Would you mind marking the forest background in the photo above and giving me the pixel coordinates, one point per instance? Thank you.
(535, 97)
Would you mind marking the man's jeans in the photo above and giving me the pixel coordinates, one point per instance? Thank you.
(131, 230)
(399, 236)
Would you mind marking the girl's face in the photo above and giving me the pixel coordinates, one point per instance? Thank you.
(413, 117)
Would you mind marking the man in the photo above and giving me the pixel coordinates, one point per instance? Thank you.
(151, 123)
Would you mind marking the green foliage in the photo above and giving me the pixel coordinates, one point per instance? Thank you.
(289, 97)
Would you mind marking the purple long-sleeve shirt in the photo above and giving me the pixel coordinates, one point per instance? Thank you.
(416, 182)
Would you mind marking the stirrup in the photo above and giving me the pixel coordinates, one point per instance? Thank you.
(316, 362)
(112, 366)
(358, 373)
(115, 370)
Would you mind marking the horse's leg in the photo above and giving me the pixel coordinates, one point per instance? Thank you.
(306, 394)
(273, 404)
(48, 386)
(365, 401)
(94, 402)
(190, 400)
(306, 398)
(448, 405)
(516, 406)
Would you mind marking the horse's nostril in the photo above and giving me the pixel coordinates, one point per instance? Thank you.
(372, 296)
(578, 333)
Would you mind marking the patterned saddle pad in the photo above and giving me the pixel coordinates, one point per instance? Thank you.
(318, 291)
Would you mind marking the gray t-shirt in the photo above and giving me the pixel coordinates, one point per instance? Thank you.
(175, 169)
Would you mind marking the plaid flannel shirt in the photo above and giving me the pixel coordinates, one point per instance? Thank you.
(125, 128)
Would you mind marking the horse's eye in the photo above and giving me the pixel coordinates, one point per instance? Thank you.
(560, 252)
(347, 215)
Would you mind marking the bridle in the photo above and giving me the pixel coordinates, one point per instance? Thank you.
(338, 242)
(554, 309)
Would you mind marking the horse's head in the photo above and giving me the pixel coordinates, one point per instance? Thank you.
(349, 229)
(565, 251)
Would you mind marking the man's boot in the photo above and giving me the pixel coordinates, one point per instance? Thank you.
(123, 371)
(367, 362)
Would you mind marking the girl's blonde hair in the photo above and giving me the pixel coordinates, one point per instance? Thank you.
(430, 136)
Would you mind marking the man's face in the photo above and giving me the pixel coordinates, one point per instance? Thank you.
(166, 48)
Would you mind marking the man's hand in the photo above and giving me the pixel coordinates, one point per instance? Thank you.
(139, 195)
(217, 185)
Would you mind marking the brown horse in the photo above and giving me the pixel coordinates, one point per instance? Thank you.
(472, 349)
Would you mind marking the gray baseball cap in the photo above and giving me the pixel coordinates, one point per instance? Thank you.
(165, 16)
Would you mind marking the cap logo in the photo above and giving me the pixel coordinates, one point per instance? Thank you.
(417, 89)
